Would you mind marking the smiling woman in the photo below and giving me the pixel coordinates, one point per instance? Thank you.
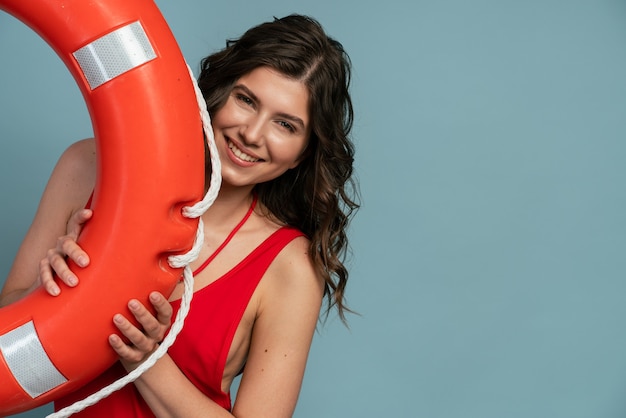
(275, 235)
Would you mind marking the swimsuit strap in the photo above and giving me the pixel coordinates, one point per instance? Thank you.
(228, 238)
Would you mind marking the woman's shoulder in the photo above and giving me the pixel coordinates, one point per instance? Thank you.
(295, 253)
(81, 155)
(293, 270)
(74, 176)
(77, 164)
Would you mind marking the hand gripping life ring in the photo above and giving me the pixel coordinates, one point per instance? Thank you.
(150, 163)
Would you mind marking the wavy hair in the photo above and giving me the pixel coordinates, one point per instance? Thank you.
(319, 196)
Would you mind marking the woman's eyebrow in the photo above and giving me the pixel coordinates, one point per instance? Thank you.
(246, 90)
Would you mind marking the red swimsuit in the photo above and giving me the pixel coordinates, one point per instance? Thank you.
(201, 349)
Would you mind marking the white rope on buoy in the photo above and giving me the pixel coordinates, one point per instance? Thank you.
(176, 261)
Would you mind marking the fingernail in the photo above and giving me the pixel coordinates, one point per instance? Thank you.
(82, 261)
(133, 304)
(72, 281)
(55, 291)
(154, 297)
(118, 318)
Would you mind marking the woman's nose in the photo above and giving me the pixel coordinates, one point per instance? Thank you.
(252, 132)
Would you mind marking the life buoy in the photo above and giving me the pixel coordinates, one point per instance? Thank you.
(150, 163)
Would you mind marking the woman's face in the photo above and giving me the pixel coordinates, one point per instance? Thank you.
(263, 129)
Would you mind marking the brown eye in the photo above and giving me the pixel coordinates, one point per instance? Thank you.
(287, 126)
(244, 99)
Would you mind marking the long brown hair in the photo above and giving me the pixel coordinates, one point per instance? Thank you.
(319, 196)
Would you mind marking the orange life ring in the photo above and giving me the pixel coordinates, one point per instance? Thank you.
(150, 163)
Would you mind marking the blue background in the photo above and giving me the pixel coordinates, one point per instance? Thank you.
(489, 254)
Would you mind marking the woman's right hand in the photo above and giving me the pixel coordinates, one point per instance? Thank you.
(67, 247)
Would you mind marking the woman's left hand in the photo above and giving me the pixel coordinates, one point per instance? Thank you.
(145, 339)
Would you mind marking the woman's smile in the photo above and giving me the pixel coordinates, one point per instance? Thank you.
(240, 154)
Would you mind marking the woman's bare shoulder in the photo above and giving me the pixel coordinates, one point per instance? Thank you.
(293, 271)
(74, 175)
(80, 157)
(68, 189)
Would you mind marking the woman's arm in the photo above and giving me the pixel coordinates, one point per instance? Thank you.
(281, 337)
(68, 189)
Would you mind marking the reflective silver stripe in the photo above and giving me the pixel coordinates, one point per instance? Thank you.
(115, 53)
(28, 361)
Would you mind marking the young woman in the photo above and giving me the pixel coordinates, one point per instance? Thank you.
(274, 238)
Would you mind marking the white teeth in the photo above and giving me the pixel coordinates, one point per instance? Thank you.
(241, 154)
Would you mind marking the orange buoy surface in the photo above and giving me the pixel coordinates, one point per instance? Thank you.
(150, 164)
